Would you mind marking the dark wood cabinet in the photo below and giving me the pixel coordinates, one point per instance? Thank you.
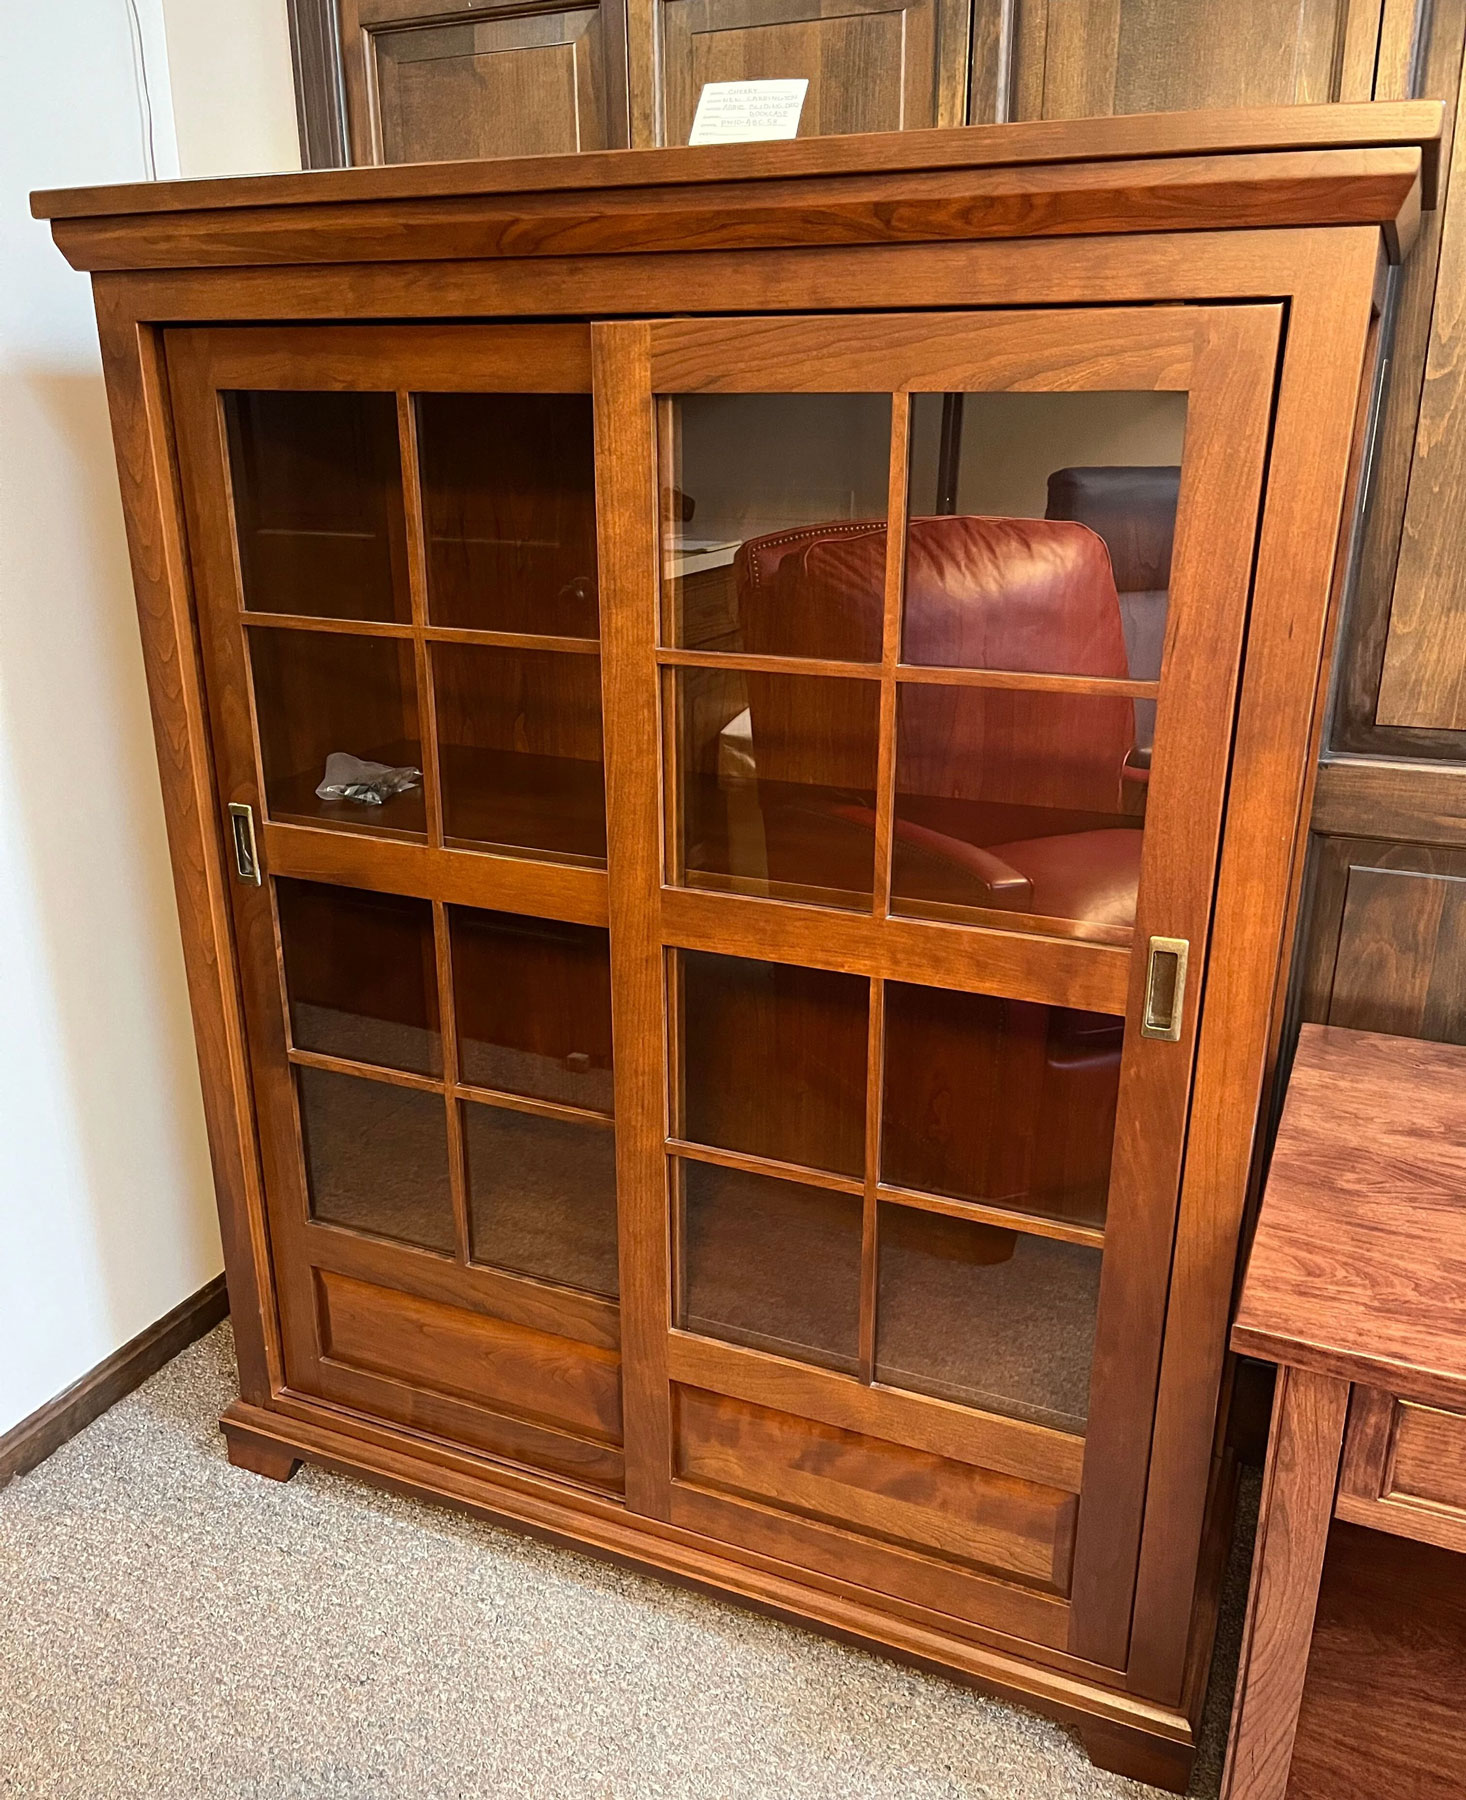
(427, 85)
(737, 819)
(1074, 59)
(873, 65)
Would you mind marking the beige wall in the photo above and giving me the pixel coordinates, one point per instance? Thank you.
(233, 94)
(106, 1204)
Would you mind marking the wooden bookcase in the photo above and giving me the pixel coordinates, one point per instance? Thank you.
(774, 1098)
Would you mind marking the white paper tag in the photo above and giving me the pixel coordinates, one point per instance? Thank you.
(748, 112)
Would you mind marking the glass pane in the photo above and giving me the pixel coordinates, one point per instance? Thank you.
(754, 483)
(774, 1060)
(1022, 801)
(519, 743)
(509, 508)
(376, 1157)
(994, 1319)
(361, 975)
(1000, 1101)
(778, 776)
(1009, 574)
(319, 692)
(318, 504)
(542, 1196)
(771, 1264)
(533, 1006)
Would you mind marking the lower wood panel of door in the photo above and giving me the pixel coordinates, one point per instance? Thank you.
(492, 1383)
(899, 1521)
(1137, 1734)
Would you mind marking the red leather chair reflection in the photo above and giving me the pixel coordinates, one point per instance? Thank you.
(1006, 799)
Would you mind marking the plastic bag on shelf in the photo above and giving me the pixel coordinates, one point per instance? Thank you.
(348, 777)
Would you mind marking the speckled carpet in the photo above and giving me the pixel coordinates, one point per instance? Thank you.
(175, 1629)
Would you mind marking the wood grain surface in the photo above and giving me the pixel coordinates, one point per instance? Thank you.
(1241, 130)
(1262, 189)
(1373, 1138)
(1297, 1503)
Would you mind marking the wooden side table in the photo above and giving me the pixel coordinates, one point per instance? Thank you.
(1353, 1674)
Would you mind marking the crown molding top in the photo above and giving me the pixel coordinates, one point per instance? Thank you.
(1303, 165)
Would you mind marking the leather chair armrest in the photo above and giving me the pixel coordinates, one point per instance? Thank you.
(1006, 887)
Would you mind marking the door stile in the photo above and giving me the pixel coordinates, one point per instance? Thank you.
(208, 503)
(1231, 396)
(627, 513)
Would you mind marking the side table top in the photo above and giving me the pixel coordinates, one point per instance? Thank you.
(1358, 1267)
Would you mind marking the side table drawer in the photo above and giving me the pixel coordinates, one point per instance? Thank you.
(1404, 1469)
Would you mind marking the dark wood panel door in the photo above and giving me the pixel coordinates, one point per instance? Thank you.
(872, 65)
(394, 537)
(943, 615)
(1075, 59)
(425, 84)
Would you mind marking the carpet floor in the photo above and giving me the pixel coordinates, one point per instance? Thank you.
(172, 1628)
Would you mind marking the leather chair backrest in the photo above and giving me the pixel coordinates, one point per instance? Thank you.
(1023, 594)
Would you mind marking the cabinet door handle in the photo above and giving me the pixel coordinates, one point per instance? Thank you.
(246, 859)
(1165, 988)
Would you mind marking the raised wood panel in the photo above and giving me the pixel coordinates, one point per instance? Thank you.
(889, 1492)
(1386, 946)
(1007, 1446)
(1405, 1469)
(1430, 1456)
(872, 65)
(496, 1364)
(1079, 58)
(1436, 73)
(1423, 684)
(423, 85)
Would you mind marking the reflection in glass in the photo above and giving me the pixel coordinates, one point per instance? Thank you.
(542, 1196)
(778, 776)
(508, 484)
(751, 483)
(376, 1157)
(533, 1006)
(1018, 800)
(1000, 579)
(774, 1060)
(1000, 1101)
(318, 691)
(989, 1318)
(360, 975)
(519, 747)
(771, 1264)
(318, 504)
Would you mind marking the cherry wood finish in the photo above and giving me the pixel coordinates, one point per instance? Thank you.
(1381, 1708)
(1354, 1286)
(1241, 131)
(1322, 1295)
(583, 1408)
